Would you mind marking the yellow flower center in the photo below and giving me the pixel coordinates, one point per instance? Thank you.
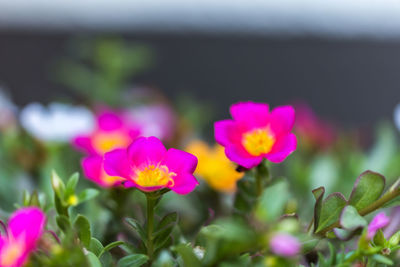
(11, 252)
(105, 142)
(72, 200)
(153, 175)
(258, 141)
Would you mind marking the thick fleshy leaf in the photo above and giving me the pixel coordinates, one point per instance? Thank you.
(82, 226)
(367, 188)
(272, 201)
(111, 246)
(95, 246)
(134, 260)
(331, 208)
(351, 220)
(87, 194)
(318, 195)
(93, 260)
(188, 256)
(137, 227)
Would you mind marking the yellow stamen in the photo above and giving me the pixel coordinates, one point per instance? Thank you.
(153, 175)
(72, 200)
(258, 141)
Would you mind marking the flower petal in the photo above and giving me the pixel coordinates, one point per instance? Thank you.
(92, 167)
(283, 147)
(241, 157)
(28, 222)
(281, 119)
(84, 143)
(146, 150)
(109, 121)
(251, 113)
(184, 184)
(179, 161)
(116, 163)
(227, 132)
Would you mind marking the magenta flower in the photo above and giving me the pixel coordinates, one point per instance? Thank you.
(147, 165)
(379, 221)
(24, 229)
(284, 245)
(312, 130)
(93, 168)
(113, 131)
(255, 133)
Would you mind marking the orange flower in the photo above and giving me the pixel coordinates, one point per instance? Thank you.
(214, 167)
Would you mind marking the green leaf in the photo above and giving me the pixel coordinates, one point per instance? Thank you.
(394, 240)
(382, 259)
(272, 202)
(137, 227)
(71, 184)
(318, 195)
(87, 194)
(82, 226)
(351, 220)
(367, 188)
(188, 256)
(379, 238)
(331, 208)
(166, 221)
(63, 223)
(93, 260)
(111, 246)
(95, 246)
(134, 260)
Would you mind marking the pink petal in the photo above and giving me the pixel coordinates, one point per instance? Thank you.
(283, 147)
(109, 121)
(285, 245)
(250, 112)
(281, 119)
(241, 157)
(28, 222)
(184, 184)
(84, 143)
(226, 132)
(116, 163)
(145, 150)
(378, 222)
(92, 167)
(179, 161)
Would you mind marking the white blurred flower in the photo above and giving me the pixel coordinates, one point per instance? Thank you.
(57, 122)
(154, 120)
(397, 116)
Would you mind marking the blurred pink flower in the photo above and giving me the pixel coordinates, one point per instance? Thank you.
(149, 166)
(112, 131)
(379, 221)
(256, 133)
(93, 168)
(313, 131)
(394, 224)
(285, 245)
(24, 229)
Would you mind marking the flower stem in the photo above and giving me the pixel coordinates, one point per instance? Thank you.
(388, 196)
(151, 201)
(262, 173)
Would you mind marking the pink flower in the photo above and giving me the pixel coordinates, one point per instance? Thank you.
(113, 131)
(284, 245)
(24, 229)
(255, 133)
(312, 130)
(147, 165)
(93, 168)
(378, 222)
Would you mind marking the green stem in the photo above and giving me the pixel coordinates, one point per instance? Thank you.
(151, 201)
(262, 173)
(391, 194)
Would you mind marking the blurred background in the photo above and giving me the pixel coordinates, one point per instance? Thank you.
(341, 57)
